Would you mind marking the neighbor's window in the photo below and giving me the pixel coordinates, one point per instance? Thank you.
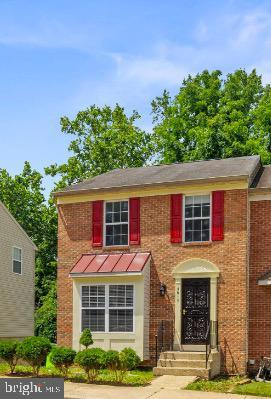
(116, 223)
(197, 218)
(17, 260)
(108, 308)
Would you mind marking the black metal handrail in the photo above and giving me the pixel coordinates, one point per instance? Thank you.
(164, 337)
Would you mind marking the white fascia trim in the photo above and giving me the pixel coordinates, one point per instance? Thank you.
(82, 275)
(264, 282)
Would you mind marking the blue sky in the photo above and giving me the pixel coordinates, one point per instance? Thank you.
(57, 57)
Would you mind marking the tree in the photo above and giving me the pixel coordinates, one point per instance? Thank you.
(45, 317)
(104, 139)
(212, 117)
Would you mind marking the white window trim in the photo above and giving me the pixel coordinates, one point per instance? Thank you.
(184, 219)
(12, 259)
(106, 331)
(104, 224)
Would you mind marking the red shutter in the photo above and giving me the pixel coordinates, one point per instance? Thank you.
(217, 215)
(134, 224)
(97, 223)
(176, 217)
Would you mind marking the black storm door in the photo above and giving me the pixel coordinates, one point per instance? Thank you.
(195, 310)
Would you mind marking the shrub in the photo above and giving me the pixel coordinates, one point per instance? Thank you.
(112, 360)
(34, 351)
(120, 362)
(62, 358)
(8, 353)
(91, 360)
(86, 338)
(129, 359)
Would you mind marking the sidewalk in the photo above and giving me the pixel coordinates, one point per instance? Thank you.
(165, 387)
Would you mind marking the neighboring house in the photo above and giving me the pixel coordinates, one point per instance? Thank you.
(181, 252)
(17, 269)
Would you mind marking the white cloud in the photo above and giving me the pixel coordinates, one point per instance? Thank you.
(252, 27)
(226, 43)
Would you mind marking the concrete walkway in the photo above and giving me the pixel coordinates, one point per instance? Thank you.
(165, 387)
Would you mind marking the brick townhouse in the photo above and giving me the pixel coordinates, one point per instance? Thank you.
(171, 260)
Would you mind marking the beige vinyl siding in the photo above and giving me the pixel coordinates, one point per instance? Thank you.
(16, 291)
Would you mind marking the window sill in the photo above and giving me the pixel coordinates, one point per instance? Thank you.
(197, 244)
(116, 248)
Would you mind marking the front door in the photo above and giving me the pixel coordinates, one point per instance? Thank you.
(195, 310)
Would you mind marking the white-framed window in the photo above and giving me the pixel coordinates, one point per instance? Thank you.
(116, 229)
(17, 260)
(197, 218)
(107, 307)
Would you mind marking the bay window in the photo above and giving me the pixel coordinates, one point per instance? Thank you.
(108, 307)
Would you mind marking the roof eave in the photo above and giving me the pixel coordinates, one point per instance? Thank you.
(110, 274)
(170, 183)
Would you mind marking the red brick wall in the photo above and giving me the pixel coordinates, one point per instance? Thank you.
(229, 255)
(259, 296)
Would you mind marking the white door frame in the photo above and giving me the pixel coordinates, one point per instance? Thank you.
(194, 268)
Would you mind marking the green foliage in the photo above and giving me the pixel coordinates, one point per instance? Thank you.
(62, 358)
(86, 338)
(45, 317)
(120, 362)
(104, 139)
(218, 384)
(212, 117)
(129, 359)
(254, 388)
(8, 353)
(34, 351)
(91, 361)
(112, 360)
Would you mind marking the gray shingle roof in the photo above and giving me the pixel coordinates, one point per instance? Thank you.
(265, 179)
(173, 173)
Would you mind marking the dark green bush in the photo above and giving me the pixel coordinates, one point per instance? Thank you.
(62, 358)
(129, 359)
(34, 351)
(91, 361)
(86, 338)
(120, 362)
(112, 360)
(8, 353)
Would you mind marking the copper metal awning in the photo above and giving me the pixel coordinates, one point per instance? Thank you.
(110, 263)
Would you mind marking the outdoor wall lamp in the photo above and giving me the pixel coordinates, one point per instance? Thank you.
(163, 289)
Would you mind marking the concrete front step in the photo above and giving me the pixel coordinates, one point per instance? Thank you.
(199, 372)
(182, 363)
(172, 355)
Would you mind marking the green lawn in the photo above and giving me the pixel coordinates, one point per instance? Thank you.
(133, 378)
(233, 385)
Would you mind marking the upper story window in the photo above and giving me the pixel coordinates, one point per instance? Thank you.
(17, 260)
(197, 218)
(116, 223)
